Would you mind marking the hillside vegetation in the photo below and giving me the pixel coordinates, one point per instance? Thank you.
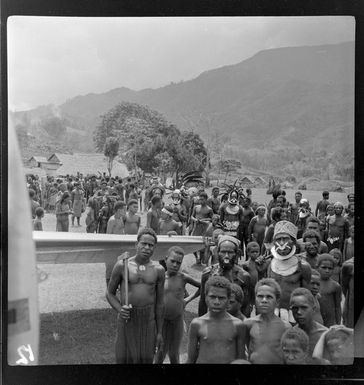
(284, 111)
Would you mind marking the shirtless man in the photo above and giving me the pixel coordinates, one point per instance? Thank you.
(303, 309)
(132, 219)
(167, 223)
(115, 224)
(294, 207)
(217, 337)
(246, 217)
(174, 304)
(139, 324)
(286, 267)
(214, 201)
(228, 249)
(311, 240)
(257, 226)
(201, 217)
(338, 228)
(154, 213)
(253, 252)
(330, 290)
(313, 223)
(321, 205)
(263, 332)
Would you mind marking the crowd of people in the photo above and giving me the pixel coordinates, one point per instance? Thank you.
(277, 279)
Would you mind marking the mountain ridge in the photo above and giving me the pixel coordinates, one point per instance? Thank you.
(307, 91)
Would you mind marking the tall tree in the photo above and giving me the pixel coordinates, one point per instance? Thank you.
(111, 150)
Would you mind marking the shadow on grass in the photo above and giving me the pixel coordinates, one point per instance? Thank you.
(83, 337)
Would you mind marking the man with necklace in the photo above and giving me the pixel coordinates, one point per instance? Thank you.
(140, 319)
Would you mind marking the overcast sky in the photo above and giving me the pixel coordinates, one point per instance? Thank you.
(51, 59)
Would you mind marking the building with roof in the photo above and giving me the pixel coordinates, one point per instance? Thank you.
(86, 164)
(260, 182)
(247, 181)
(36, 161)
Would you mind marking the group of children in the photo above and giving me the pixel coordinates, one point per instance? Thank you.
(224, 335)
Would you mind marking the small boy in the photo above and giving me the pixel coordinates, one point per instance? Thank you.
(37, 222)
(257, 226)
(253, 252)
(236, 301)
(132, 219)
(153, 214)
(294, 345)
(214, 201)
(315, 290)
(338, 258)
(330, 301)
(174, 304)
(216, 337)
(167, 223)
(264, 331)
(303, 307)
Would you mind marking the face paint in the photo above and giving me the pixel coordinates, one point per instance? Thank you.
(283, 245)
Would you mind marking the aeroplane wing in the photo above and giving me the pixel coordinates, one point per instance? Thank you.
(65, 247)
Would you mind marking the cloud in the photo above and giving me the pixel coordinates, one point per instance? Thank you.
(55, 58)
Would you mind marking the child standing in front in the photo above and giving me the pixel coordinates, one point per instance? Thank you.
(216, 337)
(264, 331)
(174, 304)
(253, 252)
(330, 291)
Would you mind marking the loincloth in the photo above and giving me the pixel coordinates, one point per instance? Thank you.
(135, 339)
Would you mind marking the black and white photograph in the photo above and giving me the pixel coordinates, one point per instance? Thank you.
(181, 190)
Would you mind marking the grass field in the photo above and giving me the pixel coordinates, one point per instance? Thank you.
(77, 323)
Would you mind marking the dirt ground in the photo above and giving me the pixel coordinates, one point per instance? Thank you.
(77, 323)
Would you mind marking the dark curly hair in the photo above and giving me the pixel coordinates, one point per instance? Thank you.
(147, 231)
(218, 281)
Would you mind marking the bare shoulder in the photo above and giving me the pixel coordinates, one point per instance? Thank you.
(236, 321)
(336, 285)
(249, 322)
(305, 266)
(119, 266)
(158, 267)
(198, 321)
